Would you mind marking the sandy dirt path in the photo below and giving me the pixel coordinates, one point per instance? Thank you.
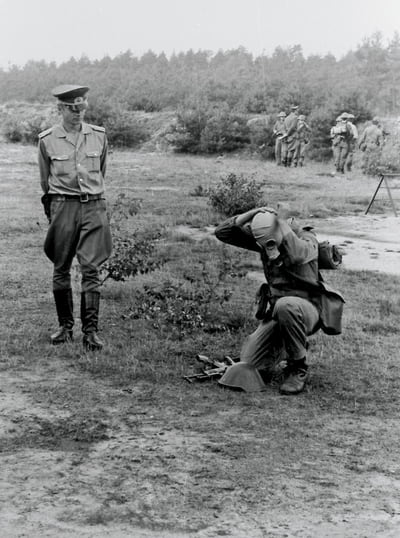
(132, 468)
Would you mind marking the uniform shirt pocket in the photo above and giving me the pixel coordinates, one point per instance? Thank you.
(62, 164)
(93, 161)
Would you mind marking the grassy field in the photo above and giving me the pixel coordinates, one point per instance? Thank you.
(117, 444)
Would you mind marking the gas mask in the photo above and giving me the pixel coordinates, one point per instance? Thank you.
(266, 231)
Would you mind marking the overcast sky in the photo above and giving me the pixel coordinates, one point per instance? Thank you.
(54, 30)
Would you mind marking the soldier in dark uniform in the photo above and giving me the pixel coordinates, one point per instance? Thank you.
(72, 163)
(289, 255)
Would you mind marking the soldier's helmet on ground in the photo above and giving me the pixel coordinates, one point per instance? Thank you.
(282, 115)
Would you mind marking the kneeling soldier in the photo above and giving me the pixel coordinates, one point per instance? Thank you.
(290, 260)
(72, 162)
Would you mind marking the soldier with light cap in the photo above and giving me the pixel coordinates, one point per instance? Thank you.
(279, 132)
(371, 144)
(289, 255)
(72, 164)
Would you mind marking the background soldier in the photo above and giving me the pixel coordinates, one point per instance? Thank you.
(341, 134)
(371, 143)
(72, 162)
(291, 134)
(352, 142)
(303, 133)
(279, 132)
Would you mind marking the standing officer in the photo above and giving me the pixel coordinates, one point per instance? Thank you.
(291, 134)
(279, 133)
(72, 163)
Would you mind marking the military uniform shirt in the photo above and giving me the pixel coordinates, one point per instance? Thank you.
(73, 163)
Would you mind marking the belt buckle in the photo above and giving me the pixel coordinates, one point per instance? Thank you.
(83, 198)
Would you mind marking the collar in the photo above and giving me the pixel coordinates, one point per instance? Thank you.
(60, 132)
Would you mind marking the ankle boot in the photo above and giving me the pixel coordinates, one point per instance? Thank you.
(65, 314)
(90, 304)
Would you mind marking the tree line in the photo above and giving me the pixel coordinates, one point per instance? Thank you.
(212, 96)
(365, 80)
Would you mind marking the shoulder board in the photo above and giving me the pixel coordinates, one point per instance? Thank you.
(45, 133)
(97, 128)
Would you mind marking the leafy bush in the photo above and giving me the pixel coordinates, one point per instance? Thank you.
(390, 156)
(262, 139)
(121, 126)
(190, 304)
(133, 252)
(132, 255)
(209, 130)
(235, 194)
(24, 123)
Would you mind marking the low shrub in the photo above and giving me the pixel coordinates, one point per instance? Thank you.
(209, 130)
(194, 302)
(122, 128)
(134, 252)
(389, 158)
(23, 124)
(235, 194)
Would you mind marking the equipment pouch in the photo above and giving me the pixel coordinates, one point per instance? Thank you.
(262, 302)
(331, 310)
(329, 256)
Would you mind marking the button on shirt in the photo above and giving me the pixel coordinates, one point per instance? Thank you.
(73, 163)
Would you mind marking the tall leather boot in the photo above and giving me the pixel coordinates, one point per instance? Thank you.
(65, 314)
(90, 304)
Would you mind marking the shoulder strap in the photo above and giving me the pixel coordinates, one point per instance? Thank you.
(45, 133)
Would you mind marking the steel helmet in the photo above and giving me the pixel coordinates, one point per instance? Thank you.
(243, 376)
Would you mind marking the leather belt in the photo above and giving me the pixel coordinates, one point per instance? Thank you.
(83, 198)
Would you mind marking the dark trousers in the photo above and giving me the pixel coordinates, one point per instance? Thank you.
(293, 319)
(80, 229)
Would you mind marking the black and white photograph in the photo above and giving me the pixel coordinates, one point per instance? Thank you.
(199, 269)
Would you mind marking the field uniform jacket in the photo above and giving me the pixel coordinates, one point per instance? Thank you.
(73, 166)
(372, 137)
(279, 128)
(299, 255)
(291, 126)
(297, 263)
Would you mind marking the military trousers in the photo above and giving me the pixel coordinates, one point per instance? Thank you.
(300, 152)
(371, 158)
(278, 150)
(340, 152)
(291, 149)
(78, 229)
(293, 319)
